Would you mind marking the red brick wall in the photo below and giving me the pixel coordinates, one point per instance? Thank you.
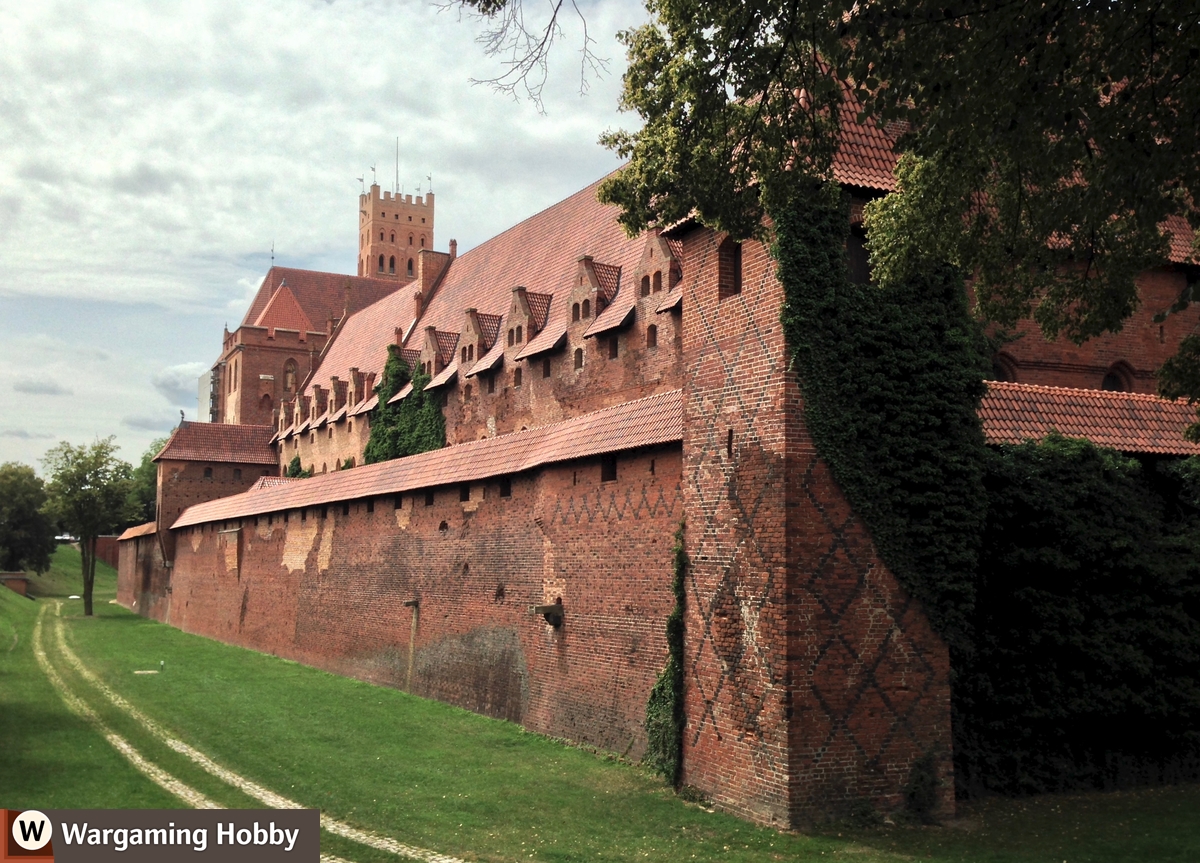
(813, 681)
(106, 550)
(1142, 343)
(331, 591)
(143, 581)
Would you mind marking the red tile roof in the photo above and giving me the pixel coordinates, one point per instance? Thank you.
(361, 342)
(321, 295)
(146, 529)
(220, 442)
(866, 155)
(650, 421)
(609, 277)
(539, 308)
(283, 312)
(272, 481)
(1129, 422)
(446, 344)
(487, 362)
(546, 340)
(444, 376)
(1181, 239)
(489, 327)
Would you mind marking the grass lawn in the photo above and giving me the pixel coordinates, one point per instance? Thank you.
(435, 776)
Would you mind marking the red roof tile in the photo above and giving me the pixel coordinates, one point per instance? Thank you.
(401, 394)
(609, 277)
(446, 343)
(489, 361)
(444, 376)
(866, 155)
(147, 529)
(539, 308)
(1181, 239)
(272, 481)
(364, 406)
(412, 358)
(361, 342)
(321, 295)
(650, 421)
(220, 442)
(283, 312)
(1129, 422)
(546, 340)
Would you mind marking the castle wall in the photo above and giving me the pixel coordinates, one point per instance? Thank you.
(1141, 346)
(328, 585)
(143, 580)
(813, 681)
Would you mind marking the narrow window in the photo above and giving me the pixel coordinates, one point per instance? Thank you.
(237, 473)
(608, 468)
(464, 493)
(491, 384)
(579, 358)
(612, 347)
(729, 444)
(345, 509)
(397, 501)
(429, 497)
(208, 473)
(381, 236)
(381, 263)
(651, 467)
(729, 265)
(467, 392)
(652, 336)
(511, 337)
(410, 266)
(657, 281)
(464, 354)
(545, 367)
(370, 504)
(392, 264)
(393, 236)
(304, 515)
(505, 487)
(575, 312)
(645, 286)
(422, 242)
(410, 238)
(519, 339)
(586, 309)
(517, 376)
(470, 353)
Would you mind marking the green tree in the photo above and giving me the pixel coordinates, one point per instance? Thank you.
(413, 425)
(295, 471)
(89, 493)
(143, 497)
(1046, 146)
(26, 532)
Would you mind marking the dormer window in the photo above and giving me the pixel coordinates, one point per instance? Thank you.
(657, 281)
(586, 309)
(511, 338)
(645, 286)
(519, 339)
(575, 312)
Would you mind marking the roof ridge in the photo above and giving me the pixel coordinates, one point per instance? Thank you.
(1151, 397)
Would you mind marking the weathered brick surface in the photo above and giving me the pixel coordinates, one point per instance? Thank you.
(143, 582)
(813, 682)
(331, 591)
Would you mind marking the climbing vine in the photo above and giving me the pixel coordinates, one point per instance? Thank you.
(664, 709)
(413, 425)
(892, 379)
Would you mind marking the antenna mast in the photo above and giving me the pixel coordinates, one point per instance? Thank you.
(396, 190)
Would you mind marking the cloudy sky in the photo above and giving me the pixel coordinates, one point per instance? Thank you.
(152, 153)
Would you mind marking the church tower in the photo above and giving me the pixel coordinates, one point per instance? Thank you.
(392, 230)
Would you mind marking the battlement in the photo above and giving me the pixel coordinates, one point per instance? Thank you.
(376, 196)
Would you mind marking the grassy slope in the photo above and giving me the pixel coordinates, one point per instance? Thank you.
(51, 758)
(444, 778)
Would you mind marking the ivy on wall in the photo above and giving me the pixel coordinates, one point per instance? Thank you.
(892, 379)
(664, 708)
(414, 425)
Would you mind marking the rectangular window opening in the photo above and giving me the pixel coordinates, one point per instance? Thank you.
(505, 487)
(429, 497)
(608, 468)
(464, 493)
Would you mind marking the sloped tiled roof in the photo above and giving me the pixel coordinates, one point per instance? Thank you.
(146, 529)
(446, 343)
(650, 421)
(539, 308)
(540, 253)
(866, 155)
(546, 340)
(609, 277)
(220, 442)
(283, 312)
(321, 295)
(401, 394)
(1129, 422)
(272, 481)
(411, 357)
(489, 327)
(444, 376)
(1181, 239)
(487, 362)
(362, 341)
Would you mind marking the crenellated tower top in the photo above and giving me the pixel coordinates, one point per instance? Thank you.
(392, 230)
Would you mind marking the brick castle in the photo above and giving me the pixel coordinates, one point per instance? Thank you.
(599, 391)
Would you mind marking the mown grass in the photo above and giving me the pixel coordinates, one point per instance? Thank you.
(435, 776)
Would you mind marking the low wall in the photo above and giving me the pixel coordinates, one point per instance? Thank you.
(328, 586)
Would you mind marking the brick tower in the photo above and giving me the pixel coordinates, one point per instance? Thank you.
(392, 230)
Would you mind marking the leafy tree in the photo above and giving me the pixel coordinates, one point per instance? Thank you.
(143, 498)
(413, 425)
(26, 532)
(1046, 145)
(89, 492)
(295, 471)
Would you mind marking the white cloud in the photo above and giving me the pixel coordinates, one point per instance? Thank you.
(151, 153)
(40, 388)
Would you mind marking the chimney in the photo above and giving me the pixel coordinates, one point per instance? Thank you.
(369, 386)
(453, 249)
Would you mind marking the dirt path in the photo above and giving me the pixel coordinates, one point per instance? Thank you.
(252, 789)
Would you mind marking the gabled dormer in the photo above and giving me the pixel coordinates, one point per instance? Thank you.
(437, 350)
(659, 269)
(595, 287)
